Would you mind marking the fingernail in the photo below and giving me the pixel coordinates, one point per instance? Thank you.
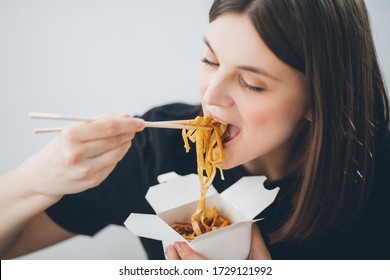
(168, 250)
(177, 246)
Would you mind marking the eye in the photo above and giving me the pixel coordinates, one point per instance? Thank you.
(208, 62)
(250, 87)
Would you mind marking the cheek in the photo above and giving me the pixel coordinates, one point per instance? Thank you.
(272, 118)
(258, 116)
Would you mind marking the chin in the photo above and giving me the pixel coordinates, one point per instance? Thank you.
(228, 164)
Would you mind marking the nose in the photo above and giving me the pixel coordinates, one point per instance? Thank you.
(216, 90)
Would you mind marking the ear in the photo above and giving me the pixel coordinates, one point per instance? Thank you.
(308, 116)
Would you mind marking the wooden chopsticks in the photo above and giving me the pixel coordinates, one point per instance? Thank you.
(177, 124)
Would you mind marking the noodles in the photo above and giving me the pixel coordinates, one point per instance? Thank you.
(210, 154)
(212, 219)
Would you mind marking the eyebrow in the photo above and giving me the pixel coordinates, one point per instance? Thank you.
(252, 69)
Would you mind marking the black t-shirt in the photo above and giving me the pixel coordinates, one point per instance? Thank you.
(158, 151)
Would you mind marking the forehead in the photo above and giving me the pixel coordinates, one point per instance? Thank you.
(235, 41)
(234, 38)
(237, 25)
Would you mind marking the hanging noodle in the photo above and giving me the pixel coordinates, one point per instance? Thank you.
(210, 154)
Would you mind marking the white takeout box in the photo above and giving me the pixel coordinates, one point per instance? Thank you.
(175, 200)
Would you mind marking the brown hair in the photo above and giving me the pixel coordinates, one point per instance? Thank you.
(330, 41)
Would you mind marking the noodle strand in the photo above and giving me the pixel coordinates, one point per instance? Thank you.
(210, 154)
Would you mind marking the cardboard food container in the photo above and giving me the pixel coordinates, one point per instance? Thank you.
(175, 200)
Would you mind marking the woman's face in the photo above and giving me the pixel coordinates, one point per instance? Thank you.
(264, 101)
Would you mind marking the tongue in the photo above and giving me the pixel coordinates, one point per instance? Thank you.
(233, 132)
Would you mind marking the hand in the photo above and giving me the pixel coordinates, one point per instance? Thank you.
(258, 251)
(181, 251)
(81, 156)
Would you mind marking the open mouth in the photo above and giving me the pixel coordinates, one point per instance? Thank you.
(231, 133)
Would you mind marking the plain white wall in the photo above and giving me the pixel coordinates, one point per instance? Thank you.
(86, 57)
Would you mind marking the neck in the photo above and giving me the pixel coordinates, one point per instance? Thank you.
(283, 161)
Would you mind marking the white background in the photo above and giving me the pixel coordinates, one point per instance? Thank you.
(86, 57)
(196, 269)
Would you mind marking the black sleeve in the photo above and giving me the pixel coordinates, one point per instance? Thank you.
(153, 152)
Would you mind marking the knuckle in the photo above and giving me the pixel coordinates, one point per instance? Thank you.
(185, 253)
(72, 158)
(131, 135)
(69, 135)
(98, 177)
(110, 128)
(85, 172)
(109, 144)
(95, 180)
(118, 154)
(112, 143)
(124, 148)
(115, 141)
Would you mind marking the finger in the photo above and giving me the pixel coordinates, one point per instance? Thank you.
(110, 157)
(95, 148)
(102, 128)
(89, 167)
(88, 180)
(75, 152)
(98, 177)
(171, 253)
(185, 252)
(259, 250)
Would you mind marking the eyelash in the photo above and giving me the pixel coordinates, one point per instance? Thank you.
(242, 82)
(208, 62)
(251, 88)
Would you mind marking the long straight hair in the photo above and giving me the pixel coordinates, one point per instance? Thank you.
(330, 41)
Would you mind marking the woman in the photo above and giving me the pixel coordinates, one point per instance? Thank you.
(336, 156)
(299, 84)
(329, 44)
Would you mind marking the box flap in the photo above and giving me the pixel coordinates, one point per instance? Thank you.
(250, 196)
(162, 178)
(176, 191)
(151, 226)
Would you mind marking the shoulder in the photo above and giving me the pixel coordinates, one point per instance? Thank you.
(173, 111)
(162, 141)
(162, 150)
(162, 146)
